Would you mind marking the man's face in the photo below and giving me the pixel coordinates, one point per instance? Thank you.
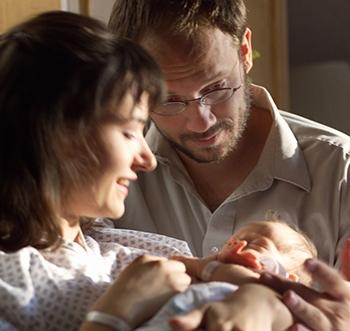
(208, 61)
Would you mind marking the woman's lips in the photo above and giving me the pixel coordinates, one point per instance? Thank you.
(123, 186)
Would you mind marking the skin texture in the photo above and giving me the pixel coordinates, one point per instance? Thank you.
(203, 133)
(327, 309)
(235, 312)
(262, 238)
(122, 152)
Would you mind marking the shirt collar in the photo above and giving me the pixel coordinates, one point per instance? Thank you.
(287, 162)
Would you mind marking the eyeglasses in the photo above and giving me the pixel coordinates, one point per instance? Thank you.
(209, 98)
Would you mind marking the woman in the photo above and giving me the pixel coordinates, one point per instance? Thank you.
(73, 105)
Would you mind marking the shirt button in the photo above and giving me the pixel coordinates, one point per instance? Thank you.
(214, 249)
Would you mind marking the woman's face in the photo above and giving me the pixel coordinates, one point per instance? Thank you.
(123, 152)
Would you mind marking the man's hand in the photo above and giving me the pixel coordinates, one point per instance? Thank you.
(324, 310)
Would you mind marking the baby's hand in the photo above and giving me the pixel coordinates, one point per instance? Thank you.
(233, 252)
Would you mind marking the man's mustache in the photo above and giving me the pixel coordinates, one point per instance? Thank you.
(222, 125)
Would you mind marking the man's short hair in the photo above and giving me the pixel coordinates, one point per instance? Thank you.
(137, 19)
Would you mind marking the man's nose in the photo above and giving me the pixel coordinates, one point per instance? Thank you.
(199, 117)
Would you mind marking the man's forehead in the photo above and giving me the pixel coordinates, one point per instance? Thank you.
(196, 47)
(189, 63)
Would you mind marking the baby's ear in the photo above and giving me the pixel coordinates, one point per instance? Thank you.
(292, 276)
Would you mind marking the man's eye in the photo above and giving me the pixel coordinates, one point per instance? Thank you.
(215, 86)
(173, 99)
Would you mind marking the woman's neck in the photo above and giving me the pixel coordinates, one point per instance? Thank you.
(70, 227)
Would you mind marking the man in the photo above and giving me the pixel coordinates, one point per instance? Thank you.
(226, 155)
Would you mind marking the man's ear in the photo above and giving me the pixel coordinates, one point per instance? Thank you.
(246, 50)
(292, 276)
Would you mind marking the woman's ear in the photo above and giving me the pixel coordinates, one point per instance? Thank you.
(292, 276)
(246, 50)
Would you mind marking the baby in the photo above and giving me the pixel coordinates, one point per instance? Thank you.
(271, 246)
(259, 246)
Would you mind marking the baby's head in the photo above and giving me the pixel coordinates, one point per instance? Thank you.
(275, 239)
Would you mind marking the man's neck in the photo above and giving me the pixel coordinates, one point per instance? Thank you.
(215, 181)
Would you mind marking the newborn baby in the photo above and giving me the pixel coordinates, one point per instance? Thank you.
(263, 245)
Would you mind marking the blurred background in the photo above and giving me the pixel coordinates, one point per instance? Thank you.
(304, 48)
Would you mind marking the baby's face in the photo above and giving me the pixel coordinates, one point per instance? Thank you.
(262, 245)
(263, 238)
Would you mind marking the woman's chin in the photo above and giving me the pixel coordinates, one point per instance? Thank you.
(115, 212)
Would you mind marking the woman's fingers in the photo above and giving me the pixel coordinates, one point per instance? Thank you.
(194, 266)
(175, 276)
(299, 327)
(187, 322)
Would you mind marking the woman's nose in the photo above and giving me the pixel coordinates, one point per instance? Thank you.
(145, 159)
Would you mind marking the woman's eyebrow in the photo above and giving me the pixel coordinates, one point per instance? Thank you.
(141, 120)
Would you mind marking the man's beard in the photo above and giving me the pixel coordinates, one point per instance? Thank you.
(234, 132)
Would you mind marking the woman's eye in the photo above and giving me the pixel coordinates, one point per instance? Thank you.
(129, 135)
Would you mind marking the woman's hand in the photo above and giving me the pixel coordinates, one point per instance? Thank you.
(251, 308)
(142, 288)
(328, 309)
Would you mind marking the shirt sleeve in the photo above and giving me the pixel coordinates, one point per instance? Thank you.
(7, 326)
